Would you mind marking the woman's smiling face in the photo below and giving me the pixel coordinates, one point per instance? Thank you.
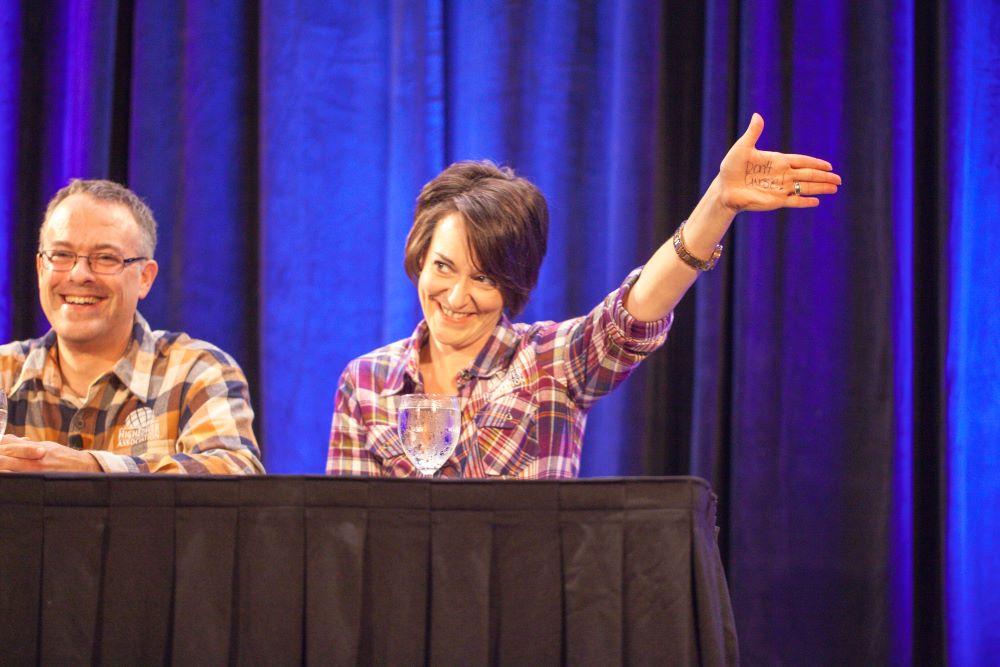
(461, 304)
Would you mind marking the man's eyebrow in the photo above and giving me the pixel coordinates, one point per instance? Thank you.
(108, 246)
(97, 248)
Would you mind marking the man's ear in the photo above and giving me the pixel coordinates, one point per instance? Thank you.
(146, 278)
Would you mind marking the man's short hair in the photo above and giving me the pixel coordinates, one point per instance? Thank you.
(109, 191)
(506, 220)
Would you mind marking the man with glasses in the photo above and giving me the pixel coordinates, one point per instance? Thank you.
(101, 391)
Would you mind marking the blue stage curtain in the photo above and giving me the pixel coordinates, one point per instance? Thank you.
(795, 411)
(970, 174)
(366, 103)
(10, 70)
(836, 378)
(847, 385)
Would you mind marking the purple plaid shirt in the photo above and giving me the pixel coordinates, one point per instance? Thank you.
(524, 400)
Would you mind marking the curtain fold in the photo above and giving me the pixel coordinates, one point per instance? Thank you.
(10, 79)
(972, 360)
(835, 378)
(811, 371)
(899, 172)
(193, 157)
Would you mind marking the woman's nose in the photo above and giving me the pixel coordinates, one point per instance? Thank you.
(458, 295)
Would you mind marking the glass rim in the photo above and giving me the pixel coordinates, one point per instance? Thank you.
(431, 398)
(425, 395)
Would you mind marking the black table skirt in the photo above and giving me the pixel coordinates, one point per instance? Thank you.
(124, 570)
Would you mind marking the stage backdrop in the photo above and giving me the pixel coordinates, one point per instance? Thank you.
(837, 378)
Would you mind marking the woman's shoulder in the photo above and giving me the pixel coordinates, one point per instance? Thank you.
(535, 332)
(382, 363)
(393, 350)
(387, 354)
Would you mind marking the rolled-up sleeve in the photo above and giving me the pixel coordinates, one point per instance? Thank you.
(348, 454)
(596, 352)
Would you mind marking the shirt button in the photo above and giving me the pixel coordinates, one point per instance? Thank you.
(78, 423)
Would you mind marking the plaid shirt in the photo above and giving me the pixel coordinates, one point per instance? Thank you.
(524, 400)
(170, 404)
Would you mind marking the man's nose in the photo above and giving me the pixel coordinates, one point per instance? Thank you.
(81, 270)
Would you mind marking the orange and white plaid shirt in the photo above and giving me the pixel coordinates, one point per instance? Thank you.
(171, 404)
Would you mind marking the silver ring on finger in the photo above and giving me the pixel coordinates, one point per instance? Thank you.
(798, 189)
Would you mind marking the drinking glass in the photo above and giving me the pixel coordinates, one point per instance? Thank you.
(429, 426)
(3, 412)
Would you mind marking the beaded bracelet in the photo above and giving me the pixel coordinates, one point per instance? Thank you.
(691, 260)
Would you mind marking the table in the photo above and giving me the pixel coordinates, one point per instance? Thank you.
(274, 570)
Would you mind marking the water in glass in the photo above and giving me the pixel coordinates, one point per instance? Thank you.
(429, 426)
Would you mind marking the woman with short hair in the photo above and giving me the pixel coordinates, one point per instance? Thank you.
(474, 252)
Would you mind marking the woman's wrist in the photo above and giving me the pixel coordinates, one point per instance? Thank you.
(708, 223)
(695, 262)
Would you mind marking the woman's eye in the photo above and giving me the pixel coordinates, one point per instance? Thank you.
(440, 266)
(486, 280)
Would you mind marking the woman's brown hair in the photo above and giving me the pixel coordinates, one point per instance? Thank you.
(506, 220)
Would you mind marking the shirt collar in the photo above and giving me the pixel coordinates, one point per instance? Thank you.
(494, 356)
(405, 369)
(134, 369)
(497, 352)
(36, 365)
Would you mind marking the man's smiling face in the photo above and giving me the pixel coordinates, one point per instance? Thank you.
(93, 312)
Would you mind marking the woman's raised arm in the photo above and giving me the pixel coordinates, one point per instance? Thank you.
(749, 180)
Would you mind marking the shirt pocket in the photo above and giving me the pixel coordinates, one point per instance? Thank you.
(384, 444)
(506, 434)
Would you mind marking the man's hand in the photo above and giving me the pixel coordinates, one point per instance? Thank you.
(23, 455)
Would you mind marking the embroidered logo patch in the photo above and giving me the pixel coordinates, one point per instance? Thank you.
(140, 426)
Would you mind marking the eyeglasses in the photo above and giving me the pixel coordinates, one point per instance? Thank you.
(102, 263)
